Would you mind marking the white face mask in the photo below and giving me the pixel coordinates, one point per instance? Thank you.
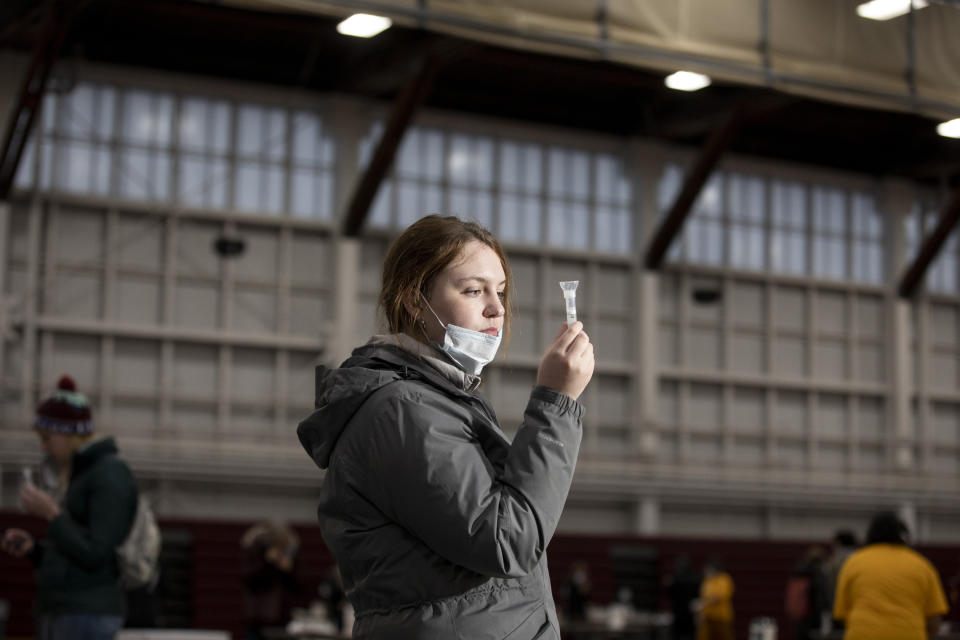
(471, 350)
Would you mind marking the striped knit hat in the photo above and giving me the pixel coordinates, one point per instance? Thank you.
(66, 411)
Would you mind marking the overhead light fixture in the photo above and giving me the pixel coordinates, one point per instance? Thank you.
(887, 9)
(364, 25)
(950, 128)
(687, 81)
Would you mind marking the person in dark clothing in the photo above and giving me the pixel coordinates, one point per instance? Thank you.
(78, 594)
(576, 592)
(683, 587)
(270, 551)
(438, 521)
(807, 594)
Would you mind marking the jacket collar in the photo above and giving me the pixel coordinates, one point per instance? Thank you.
(435, 358)
(89, 453)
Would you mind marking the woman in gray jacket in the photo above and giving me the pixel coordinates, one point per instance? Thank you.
(439, 523)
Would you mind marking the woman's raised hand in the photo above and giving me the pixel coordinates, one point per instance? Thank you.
(567, 364)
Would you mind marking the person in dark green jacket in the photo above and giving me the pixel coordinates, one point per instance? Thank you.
(439, 522)
(78, 595)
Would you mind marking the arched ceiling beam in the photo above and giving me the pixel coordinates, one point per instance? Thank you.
(24, 113)
(716, 145)
(913, 275)
(413, 95)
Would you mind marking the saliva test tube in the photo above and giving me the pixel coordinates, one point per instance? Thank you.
(570, 299)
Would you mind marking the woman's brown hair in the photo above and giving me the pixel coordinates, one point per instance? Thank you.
(418, 256)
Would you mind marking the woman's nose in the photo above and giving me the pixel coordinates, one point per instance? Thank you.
(494, 308)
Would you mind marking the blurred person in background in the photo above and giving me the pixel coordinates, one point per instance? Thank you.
(844, 545)
(78, 593)
(683, 587)
(715, 615)
(887, 591)
(438, 520)
(269, 552)
(575, 591)
(806, 594)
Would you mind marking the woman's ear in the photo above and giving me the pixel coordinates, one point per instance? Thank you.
(411, 303)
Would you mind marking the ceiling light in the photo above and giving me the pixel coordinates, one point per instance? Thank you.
(687, 81)
(950, 128)
(363, 25)
(886, 9)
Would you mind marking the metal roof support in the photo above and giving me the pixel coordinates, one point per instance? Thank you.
(718, 142)
(913, 275)
(31, 93)
(413, 95)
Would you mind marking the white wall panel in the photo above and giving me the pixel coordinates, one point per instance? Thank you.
(195, 369)
(260, 260)
(613, 397)
(136, 366)
(945, 371)
(871, 364)
(133, 416)
(254, 309)
(945, 325)
(138, 299)
(703, 348)
(78, 356)
(77, 294)
(789, 356)
(748, 412)
(611, 339)
(748, 304)
(830, 359)
(252, 375)
(309, 313)
(703, 406)
(747, 353)
(195, 255)
(831, 312)
(197, 305)
(871, 419)
(831, 420)
(79, 237)
(613, 289)
(871, 318)
(791, 413)
(139, 242)
(946, 423)
(790, 308)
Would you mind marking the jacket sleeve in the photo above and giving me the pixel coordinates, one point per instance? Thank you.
(112, 504)
(434, 479)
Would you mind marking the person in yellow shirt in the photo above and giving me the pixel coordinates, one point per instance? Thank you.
(887, 591)
(715, 621)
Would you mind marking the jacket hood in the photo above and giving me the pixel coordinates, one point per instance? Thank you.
(341, 392)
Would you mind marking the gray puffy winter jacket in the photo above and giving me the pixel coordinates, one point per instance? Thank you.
(438, 522)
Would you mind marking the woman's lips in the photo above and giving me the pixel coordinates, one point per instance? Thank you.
(491, 331)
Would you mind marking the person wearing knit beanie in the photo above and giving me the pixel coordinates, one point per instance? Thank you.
(78, 592)
(67, 411)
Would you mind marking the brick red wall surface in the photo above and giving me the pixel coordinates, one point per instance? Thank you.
(759, 569)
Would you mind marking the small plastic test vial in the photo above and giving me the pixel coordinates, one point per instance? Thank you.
(570, 299)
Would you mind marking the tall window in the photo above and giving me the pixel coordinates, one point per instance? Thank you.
(787, 226)
(525, 192)
(220, 154)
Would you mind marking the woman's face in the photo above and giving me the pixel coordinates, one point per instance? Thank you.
(468, 294)
(56, 445)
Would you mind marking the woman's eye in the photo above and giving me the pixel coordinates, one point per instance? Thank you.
(501, 294)
(472, 292)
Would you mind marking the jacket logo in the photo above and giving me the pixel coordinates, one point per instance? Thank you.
(544, 436)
